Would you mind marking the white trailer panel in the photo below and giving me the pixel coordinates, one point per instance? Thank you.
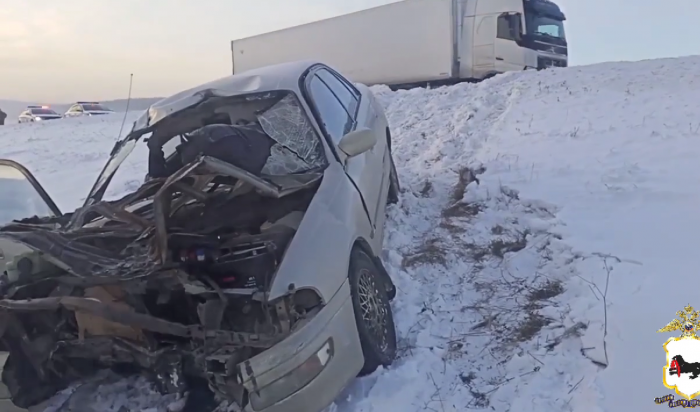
(404, 42)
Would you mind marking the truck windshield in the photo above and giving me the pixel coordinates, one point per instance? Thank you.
(546, 26)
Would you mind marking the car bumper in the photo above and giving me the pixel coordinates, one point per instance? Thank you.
(335, 323)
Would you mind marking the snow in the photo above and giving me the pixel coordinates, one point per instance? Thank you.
(111, 393)
(537, 287)
(67, 155)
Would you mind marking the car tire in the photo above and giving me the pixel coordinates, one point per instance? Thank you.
(394, 185)
(373, 316)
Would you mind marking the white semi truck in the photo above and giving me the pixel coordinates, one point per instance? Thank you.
(418, 42)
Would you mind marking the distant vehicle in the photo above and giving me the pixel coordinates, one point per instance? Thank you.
(87, 109)
(38, 113)
(417, 42)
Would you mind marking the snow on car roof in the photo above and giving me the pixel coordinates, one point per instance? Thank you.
(284, 76)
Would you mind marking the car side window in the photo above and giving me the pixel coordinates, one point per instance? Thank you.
(333, 115)
(343, 91)
(78, 109)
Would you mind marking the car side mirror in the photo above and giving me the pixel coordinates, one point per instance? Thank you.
(357, 142)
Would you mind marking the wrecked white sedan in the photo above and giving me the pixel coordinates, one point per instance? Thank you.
(246, 268)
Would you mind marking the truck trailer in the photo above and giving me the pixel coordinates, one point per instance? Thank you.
(418, 42)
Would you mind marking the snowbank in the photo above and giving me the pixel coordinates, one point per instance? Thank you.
(543, 216)
(591, 176)
(482, 269)
(615, 147)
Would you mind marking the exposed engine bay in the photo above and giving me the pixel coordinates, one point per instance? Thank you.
(172, 279)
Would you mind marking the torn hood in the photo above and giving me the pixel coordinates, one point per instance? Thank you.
(278, 77)
(252, 85)
(134, 223)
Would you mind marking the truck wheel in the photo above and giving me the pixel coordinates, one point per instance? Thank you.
(394, 185)
(375, 321)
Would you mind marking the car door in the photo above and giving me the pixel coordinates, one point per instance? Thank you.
(376, 165)
(21, 195)
(341, 108)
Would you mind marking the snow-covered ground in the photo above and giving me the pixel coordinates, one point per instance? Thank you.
(67, 155)
(547, 229)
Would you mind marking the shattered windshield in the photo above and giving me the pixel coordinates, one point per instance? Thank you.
(297, 148)
(281, 137)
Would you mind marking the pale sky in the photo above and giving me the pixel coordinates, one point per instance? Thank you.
(67, 50)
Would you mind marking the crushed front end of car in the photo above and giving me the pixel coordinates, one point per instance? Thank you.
(172, 279)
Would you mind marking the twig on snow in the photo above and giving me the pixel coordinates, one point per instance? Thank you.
(575, 386)
(533, 357)
(437, 389)
(604, 296)
(606, 256)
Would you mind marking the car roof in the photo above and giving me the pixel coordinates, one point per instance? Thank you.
(284, 76)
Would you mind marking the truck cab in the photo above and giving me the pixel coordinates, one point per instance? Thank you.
(509, 35)
(544, 34)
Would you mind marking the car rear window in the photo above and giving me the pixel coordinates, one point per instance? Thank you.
(91, 107)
